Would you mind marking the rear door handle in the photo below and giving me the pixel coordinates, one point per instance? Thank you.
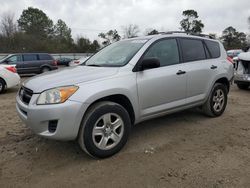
(213, 67)
(181, 72)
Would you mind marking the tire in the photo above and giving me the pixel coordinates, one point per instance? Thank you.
(217, 101)
(45, 69)
(2, 86)
(99, 136)
(242, 86)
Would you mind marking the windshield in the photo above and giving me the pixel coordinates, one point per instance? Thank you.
(4, 57)
(117, 54)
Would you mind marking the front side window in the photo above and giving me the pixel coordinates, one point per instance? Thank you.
(166, 51)
(14, 59)
(29, 57)
(192, 50)
(117, 54)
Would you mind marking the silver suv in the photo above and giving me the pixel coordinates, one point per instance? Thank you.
(126, 83)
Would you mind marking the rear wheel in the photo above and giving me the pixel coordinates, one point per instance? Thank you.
(2, 85)
(242, 86)
(217, 101)
(45, 69)
(104, 130)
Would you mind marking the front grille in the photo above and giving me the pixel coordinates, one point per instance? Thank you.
(25, 95)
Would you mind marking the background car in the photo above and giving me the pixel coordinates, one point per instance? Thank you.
(8, 77)
(79, 61)
(63, 61)
(233, 53)
(242, 74)
(27, 63)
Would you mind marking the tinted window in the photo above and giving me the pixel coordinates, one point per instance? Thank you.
(166, 51)
(192, 50)
(45, 57)
(214, 48)
(29, 57)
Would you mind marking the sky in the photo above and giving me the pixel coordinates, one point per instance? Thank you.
(87, 18)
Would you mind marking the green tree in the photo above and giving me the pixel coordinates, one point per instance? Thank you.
(62, 31)
(109, 37)
(83, 44)
(233, 39)
(95, 46)
(62, 38)
(190, 22)
(35, 22)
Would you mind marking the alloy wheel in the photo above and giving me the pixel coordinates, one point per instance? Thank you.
(108, 131)
(218, 100)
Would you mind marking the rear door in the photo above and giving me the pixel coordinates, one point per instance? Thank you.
(162, 88)
(30, 63)
(201, 69)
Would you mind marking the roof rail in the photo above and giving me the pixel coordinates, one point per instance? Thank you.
(188, 33)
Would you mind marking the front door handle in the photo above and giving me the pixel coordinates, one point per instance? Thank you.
(213, 67)
(181, 72)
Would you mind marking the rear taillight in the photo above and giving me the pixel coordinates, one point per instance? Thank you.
(230, 60)
(77, 62)
(11, 69)
(54, 62)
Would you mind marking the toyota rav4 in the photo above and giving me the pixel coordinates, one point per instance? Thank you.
(123, 84)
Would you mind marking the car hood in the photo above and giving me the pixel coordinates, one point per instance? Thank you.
(68, 76)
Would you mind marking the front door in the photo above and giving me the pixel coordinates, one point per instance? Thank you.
(162, 88)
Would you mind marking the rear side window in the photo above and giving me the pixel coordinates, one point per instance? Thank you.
(45, 57)
(192, 50)
(29, 57)
(214, 48)
(166, 51)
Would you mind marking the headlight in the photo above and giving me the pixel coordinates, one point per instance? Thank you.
(56, 95)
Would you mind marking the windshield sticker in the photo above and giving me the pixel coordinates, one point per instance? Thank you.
(138, 41)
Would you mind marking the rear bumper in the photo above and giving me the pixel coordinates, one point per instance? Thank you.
(54, 67)
(67, 116)
(242, 78)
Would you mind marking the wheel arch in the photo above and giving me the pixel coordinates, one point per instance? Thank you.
(224, 81)
(119, 99)
(45, 66)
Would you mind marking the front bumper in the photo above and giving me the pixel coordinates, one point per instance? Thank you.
(68, 116)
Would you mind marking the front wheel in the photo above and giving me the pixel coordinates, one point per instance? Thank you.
(104, 130)
(217, 101)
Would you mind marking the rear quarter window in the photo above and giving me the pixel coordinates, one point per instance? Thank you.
(45, 57)
(192, 50)
(214, 48)
(29, 57)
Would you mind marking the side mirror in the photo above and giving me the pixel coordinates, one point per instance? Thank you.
(6, 61)
(148, 63)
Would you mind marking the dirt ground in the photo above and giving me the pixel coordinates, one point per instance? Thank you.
(185, 149)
